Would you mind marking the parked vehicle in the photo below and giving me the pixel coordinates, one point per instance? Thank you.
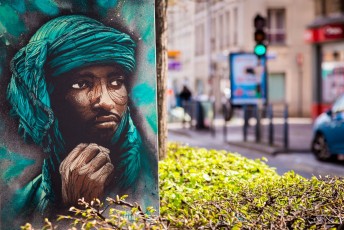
(328, 132)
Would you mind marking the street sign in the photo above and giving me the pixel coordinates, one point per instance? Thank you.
(174, 63)
(248, 79)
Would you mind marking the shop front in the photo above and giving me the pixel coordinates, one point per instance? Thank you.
(327, 38)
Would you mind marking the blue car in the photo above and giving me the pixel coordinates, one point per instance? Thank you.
(328, 132)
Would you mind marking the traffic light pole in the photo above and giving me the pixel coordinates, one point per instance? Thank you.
(259, 35)
(260, 50)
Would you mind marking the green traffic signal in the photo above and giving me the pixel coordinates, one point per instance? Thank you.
(260, 49)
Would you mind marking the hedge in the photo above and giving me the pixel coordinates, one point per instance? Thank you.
(211, 189)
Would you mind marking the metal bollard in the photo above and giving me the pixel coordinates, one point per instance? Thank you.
(194, 114)
(225, 131)
(224, 125)
(212, 125)
(245, 123)
(190, 113)
(286, 127)
(271, 126)
(183, 106)
(257, 124)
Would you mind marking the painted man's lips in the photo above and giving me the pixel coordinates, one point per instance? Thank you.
(107, 121)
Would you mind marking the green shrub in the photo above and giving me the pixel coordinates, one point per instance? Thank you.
(210, 189)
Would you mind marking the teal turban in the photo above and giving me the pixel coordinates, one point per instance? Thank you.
(61, 45)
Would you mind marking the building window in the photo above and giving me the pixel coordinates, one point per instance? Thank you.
(276, 84)
(333, 7)
(276, 26)
(199, 40)
(320, 8)
(329, 7)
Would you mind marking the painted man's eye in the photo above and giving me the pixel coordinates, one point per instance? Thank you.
(80, 85)
(117, 82)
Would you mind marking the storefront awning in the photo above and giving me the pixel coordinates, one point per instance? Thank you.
(325, 29)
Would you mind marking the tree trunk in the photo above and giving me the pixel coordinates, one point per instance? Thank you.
(161, 68)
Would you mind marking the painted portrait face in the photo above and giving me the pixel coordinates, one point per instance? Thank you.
(90, 102)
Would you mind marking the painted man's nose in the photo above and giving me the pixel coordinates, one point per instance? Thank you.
(104, 101)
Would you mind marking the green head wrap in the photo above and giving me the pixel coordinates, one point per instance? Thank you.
(61, 45)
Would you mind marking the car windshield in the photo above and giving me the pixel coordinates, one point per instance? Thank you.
(338, 105)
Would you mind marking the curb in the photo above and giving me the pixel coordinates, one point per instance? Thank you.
(272, 150)
(253, 146)
(180, 132)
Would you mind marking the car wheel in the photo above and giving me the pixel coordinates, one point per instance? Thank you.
(320, 148)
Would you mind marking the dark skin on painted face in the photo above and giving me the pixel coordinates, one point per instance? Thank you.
(89, 104)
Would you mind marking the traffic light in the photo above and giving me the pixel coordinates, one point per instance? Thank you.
(260, 50)
(259, 36)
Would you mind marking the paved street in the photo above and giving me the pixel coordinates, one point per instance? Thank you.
(299, 159)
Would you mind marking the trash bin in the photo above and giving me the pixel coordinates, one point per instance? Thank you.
(227, 110)
(204, 114)
(199, 116)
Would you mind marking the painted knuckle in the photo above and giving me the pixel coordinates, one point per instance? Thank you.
(93, 146)
(104, 150)
(92, 177)
(110, 167)
(104, 157)
(82, 145)
(82, 171)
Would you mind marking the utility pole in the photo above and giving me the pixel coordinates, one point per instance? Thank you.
(161, 66)
(207, 39)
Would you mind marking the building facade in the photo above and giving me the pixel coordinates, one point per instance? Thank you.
(214, 29)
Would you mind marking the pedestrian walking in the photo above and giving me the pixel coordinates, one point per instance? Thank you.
(185, 97)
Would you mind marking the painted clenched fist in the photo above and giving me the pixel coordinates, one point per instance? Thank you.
(85, 172)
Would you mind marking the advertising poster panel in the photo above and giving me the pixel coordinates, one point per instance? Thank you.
(333, 80)
(248, 79)
(77, 106)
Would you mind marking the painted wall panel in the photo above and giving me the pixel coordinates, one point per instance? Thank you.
(77, 105)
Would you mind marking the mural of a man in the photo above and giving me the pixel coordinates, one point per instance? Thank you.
(70, 92)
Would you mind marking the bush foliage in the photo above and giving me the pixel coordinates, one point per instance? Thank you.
(210, 189)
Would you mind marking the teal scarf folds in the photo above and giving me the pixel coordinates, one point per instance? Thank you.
(59, 46)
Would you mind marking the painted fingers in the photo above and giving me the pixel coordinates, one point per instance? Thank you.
(85, 172)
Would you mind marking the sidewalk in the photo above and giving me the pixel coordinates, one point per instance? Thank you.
(300, 134)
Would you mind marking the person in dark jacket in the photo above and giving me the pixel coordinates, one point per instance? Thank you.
(185, 97)
(185, 94)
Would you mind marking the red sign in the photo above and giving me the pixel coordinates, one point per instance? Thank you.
(324, 33)
(311, 35)
(332, 32)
